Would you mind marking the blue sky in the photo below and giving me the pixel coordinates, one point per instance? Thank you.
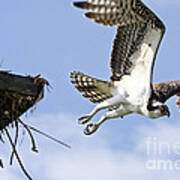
(52, 38)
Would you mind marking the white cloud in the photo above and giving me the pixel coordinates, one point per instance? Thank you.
(91, 157)
(5, 175)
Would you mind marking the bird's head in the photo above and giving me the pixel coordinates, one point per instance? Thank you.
(159, 110)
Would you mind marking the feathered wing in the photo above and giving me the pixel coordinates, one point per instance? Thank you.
(93, 89)
(126, 43)
(109, 12)
(134, 21)
(164, 90)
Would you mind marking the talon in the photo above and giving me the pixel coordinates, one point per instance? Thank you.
(90, 129)
(84, 119)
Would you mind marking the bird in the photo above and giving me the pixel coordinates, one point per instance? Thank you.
(135, 46)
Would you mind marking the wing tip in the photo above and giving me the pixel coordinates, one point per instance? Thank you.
(79, 4)
(89, 15)
(93, 16)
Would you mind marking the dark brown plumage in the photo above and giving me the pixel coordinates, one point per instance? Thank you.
(165, 90)
(133, 20)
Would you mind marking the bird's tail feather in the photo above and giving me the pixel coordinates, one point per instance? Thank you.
(93, 89)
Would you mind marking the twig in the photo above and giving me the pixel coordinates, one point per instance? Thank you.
(17, 156)
(44, 134)
(15, 142)
(31, 136)
(1, 163)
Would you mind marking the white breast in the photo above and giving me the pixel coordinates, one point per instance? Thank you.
(137, 84)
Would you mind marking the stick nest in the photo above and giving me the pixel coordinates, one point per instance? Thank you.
(17, 95)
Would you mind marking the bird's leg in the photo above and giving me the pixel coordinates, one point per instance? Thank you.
(91, 128)
(87, 118)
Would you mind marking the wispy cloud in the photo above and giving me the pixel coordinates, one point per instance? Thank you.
(92, 157)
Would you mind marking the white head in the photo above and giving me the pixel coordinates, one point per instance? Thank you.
(158, 109)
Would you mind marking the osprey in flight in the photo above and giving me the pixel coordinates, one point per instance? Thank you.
(139, 34)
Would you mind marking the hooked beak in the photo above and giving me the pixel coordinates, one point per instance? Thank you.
(165, 111)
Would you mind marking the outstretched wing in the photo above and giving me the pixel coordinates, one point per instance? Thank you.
(93, 89)
(164, 90)
(109, 12)
(127, 42)
(135, 23)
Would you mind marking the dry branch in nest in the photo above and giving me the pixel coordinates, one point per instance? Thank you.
(17, 95)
